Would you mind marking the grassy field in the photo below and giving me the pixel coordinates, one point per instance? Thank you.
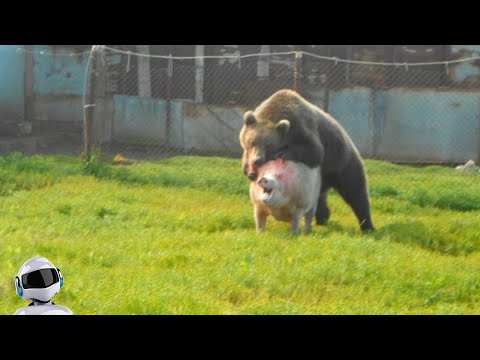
(177, 236)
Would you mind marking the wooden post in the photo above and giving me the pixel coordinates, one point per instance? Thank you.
(144, 77)
(199, 72)
(89, 103)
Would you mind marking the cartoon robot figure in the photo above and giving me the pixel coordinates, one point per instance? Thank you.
(39, 280)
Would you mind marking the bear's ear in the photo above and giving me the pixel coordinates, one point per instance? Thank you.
(283, 127)
(249, 118)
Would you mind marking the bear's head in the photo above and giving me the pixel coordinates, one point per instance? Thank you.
(260, 141)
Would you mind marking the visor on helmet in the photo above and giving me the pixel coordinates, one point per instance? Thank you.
(40, 279)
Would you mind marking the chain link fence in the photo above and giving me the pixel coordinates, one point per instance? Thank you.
(164, 106)
(149, 106)
(129, 100)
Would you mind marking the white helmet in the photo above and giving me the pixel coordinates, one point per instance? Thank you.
(38, 279)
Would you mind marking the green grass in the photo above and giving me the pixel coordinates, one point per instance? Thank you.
(177, 236)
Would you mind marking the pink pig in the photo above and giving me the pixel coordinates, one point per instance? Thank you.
(286, 190)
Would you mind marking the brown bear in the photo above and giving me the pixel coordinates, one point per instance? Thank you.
(286, 190)
(288, 126)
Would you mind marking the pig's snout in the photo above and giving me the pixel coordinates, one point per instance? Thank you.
(266, 183)
(263, 181)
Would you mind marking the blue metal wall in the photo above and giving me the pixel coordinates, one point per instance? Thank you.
(140, 120)
(56, 74)
(12, 67)
(353, 109)
(397, 124)
(410, 125)
(58, 84)
(429, 125)
(465, 71)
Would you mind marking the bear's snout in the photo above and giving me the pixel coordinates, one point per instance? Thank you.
(258, 162)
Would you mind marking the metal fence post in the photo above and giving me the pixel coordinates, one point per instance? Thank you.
(199, 72)
(143, 71)
(297, 73)
(169, 99)
(89, 101)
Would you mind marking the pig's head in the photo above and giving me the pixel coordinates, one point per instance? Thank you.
(271, 190)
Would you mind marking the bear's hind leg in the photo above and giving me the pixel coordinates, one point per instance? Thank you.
(352, 186)
(322, 214)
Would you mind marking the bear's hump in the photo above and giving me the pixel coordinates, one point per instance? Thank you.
(284, 104)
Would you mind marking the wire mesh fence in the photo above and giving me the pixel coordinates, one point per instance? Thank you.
(158, 106)
(130, 100)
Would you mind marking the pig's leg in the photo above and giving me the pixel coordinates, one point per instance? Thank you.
(308, 220)
(309, 215)
(260, 218)
(295, 224)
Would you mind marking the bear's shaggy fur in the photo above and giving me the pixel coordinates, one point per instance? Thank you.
(287, 125)
(286, 190)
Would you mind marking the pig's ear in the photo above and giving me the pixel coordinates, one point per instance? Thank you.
(249, 119)
(283, 127)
